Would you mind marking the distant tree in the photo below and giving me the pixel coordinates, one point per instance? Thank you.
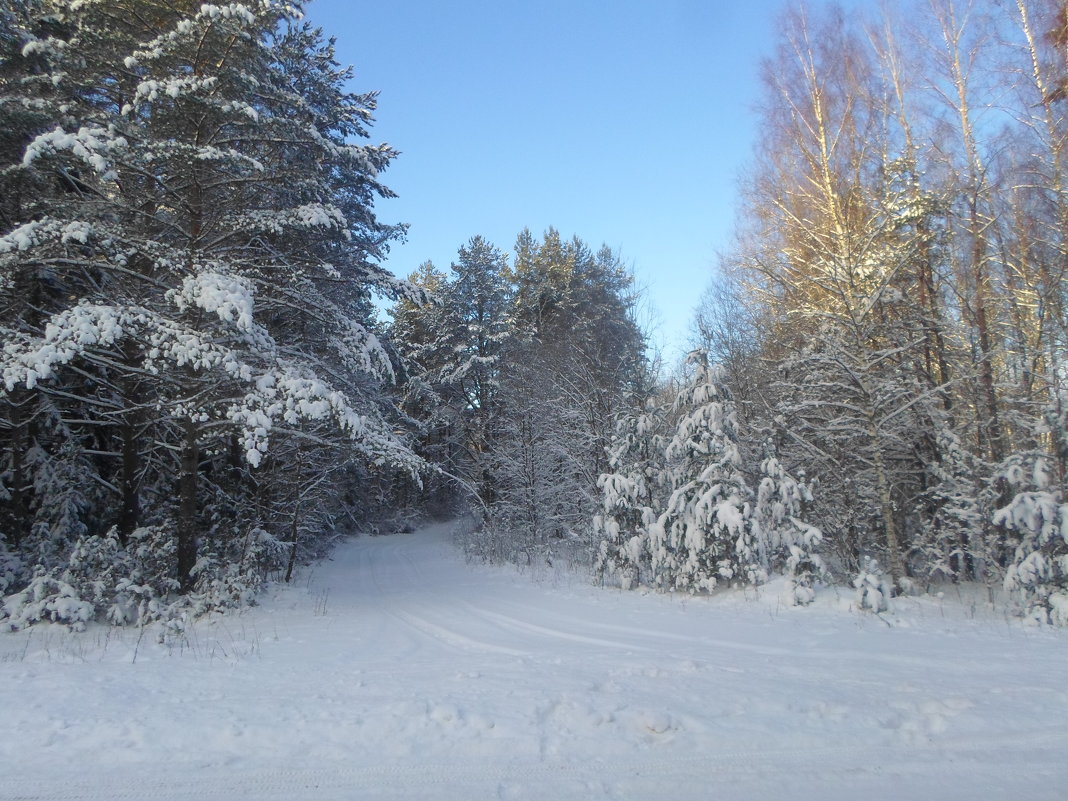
(517, 372)
(452, 345)
(573, 363)
(480, 299)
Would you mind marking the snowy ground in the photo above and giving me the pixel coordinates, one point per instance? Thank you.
(398, 671)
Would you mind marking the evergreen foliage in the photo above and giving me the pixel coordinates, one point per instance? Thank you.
(632, 496)
(792, 543)
(515, 373)
(187, 255)
(707, 532)
(1037, 520)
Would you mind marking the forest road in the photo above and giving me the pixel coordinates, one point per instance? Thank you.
(397, 670)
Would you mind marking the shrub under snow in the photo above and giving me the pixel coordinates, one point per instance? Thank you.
(873, 586)
(134, 585)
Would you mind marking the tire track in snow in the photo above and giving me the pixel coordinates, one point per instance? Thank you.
(522, 626)
(950, 665)
(377, 595)
(406, 581)
(596, 625)
(391, 575)
(401, 583)
(454, 638)
(395, 575)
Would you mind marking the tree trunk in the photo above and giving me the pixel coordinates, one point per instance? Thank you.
(129, 434)
(294, 525)
(187, 508)
(19, 445)
(293, 531)
(988, 394)
(130, 513)
(886, 504)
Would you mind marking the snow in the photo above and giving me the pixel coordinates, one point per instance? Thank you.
(236, 10)
(89, 144)
(309, 216)
(66, 336)
(174, 87)
(230, 297)
(23, 237)
(396, 670)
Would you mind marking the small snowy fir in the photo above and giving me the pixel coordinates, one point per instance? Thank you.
(707, 532)
(873, 586)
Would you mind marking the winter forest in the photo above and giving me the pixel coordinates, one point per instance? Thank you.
(210, 373)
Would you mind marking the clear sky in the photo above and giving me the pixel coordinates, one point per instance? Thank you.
(626, 122)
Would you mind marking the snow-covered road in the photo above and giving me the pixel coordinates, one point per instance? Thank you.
(398, 671)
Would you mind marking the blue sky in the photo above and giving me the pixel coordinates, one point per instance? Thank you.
(626, 122)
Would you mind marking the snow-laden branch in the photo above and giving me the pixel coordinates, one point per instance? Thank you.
(93, 145)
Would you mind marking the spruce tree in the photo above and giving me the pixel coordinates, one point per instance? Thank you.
(707, 532)
(631, 496)
(779, 512)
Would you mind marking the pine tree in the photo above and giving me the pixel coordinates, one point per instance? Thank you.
(197, 292)
(479, 298)
(571, 356)
(452, 346)
(792, 543)
(1037, 519)
(955, 543)
(707, 532)
(423, 332)
(631, 496)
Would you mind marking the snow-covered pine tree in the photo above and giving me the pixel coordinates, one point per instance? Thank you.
(480, 298)
(873, 586)
(451, 348)
(707, 532)
(1037, 520)
(955, 541)
(631, 496)
(197, 288)
(791, 542)
(423, 331)
(574, 357)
